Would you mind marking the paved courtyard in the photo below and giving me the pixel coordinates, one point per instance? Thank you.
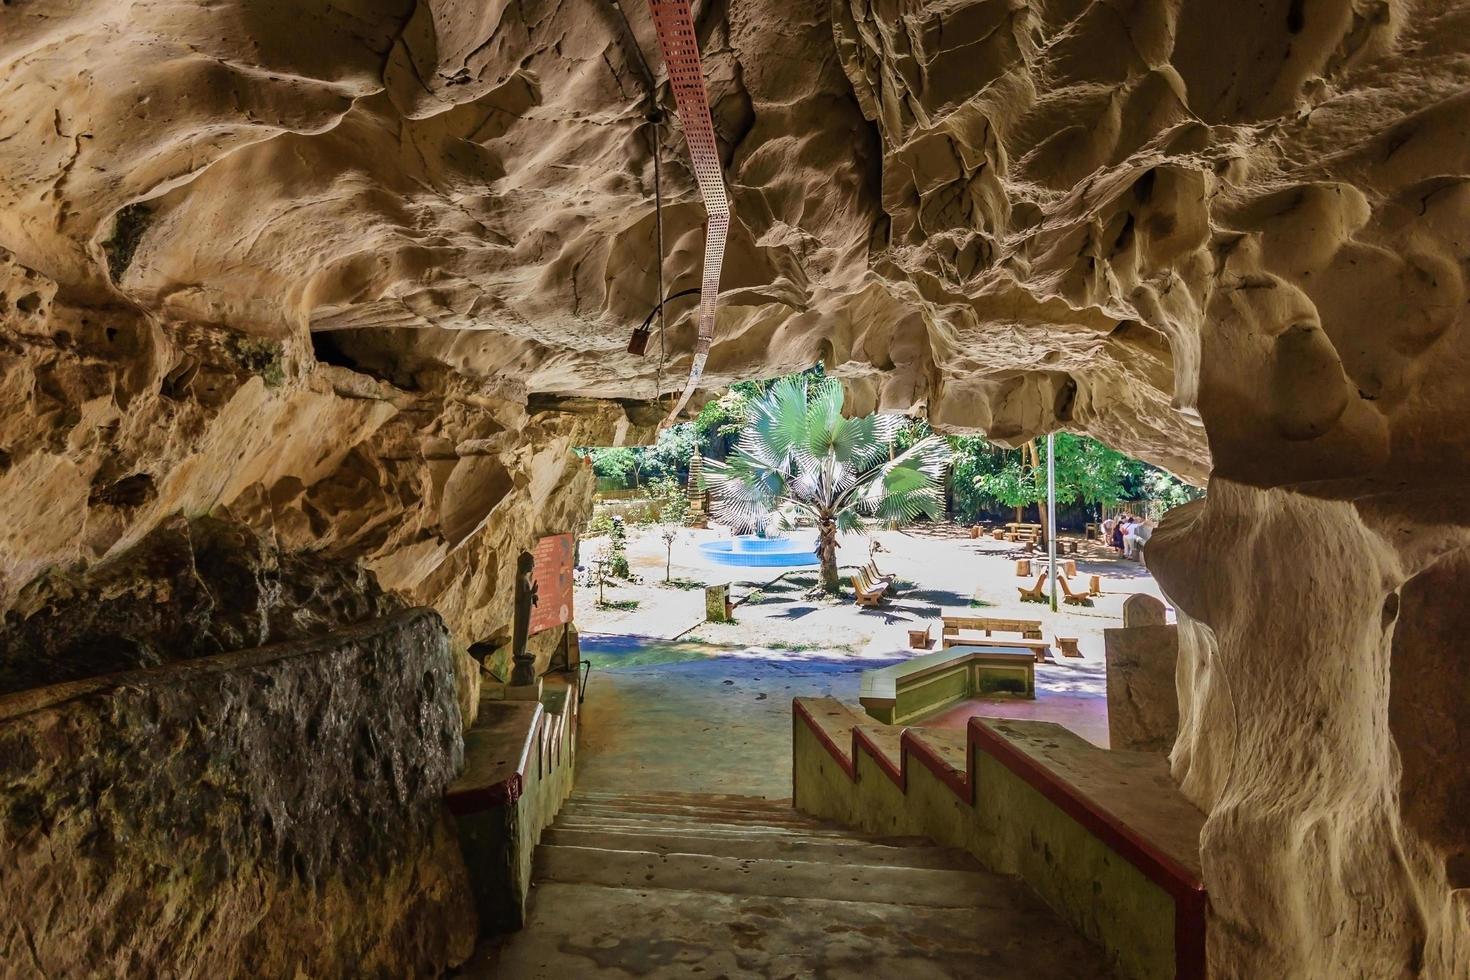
(710, 711)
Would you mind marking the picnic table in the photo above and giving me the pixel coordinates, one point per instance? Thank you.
(1022, 531)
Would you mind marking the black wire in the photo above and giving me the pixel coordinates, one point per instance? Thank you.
(667, 299)
(658, 224)
(638, 50)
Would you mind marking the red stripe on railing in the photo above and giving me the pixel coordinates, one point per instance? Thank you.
(674, 24)
(1179, 882)
(1190, 897)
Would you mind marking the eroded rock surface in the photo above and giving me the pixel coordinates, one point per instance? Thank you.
(277, 812)
(189, 589)
(348, 275)
(1291, 639)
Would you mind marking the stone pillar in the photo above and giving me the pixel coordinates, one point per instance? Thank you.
(1143, 705)
(1143, 610)
(717, 603)
(1288, 609)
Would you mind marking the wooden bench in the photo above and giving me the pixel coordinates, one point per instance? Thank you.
(1028, 628)
(872, 576)
(1020, 531)
(1068, 646)
(1041, 648)
(1078, 598)
(922, 639)
(1035, 592)
(868, 594)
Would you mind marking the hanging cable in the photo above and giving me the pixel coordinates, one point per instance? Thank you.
(648, 82)
(638, 342)
(658, 225)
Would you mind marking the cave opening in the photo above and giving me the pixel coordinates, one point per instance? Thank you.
(320, 416)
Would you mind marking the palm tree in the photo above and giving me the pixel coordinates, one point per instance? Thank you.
(797, 457)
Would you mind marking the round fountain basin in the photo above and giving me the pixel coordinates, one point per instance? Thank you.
(747, 550)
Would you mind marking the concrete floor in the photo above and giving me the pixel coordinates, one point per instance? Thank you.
(687, 717)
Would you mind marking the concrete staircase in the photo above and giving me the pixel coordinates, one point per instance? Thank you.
(683, 885)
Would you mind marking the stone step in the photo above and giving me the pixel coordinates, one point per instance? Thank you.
(589, 931)
(788, 848)
(684, 799)
(668, 826)
(927, 887)
(649, 812)
(690, 807)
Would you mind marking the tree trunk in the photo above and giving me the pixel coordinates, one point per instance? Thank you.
(827, 553)
(1040, 481)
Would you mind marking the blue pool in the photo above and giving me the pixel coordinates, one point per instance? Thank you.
(750, 551)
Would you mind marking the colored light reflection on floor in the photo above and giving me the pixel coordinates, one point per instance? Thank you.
(682, 716)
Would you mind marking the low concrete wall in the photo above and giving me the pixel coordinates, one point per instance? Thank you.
(930, 682)
(275, 812)
(1015, 817)
(522, 759)
(1143, 700)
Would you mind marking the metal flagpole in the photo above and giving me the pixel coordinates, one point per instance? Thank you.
(1051, 513)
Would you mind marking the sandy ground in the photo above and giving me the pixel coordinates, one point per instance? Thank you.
(711, 711)
(941, 571)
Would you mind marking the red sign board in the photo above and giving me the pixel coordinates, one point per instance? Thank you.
(553, 577)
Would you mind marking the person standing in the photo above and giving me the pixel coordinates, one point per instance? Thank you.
(1119, 530)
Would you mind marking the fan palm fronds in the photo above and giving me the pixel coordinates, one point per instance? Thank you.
(799, 457)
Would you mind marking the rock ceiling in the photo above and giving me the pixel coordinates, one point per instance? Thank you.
(359, 274)
(1109, 215)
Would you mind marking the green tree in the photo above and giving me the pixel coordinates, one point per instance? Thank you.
(633, 466)
(975, 458)
(799, 458)
(1167, 488)
(669, 456)
(612, 463)
(725, 416)
(1086, 470)
(722, 419)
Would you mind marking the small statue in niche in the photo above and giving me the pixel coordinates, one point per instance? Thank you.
(523, 670)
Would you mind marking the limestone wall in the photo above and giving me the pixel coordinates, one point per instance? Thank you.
(114, 424)
(1295, 644)
(274, 812)
(353, 278)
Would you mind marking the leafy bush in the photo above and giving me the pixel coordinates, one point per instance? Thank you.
(671, 501)
(617, 551)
